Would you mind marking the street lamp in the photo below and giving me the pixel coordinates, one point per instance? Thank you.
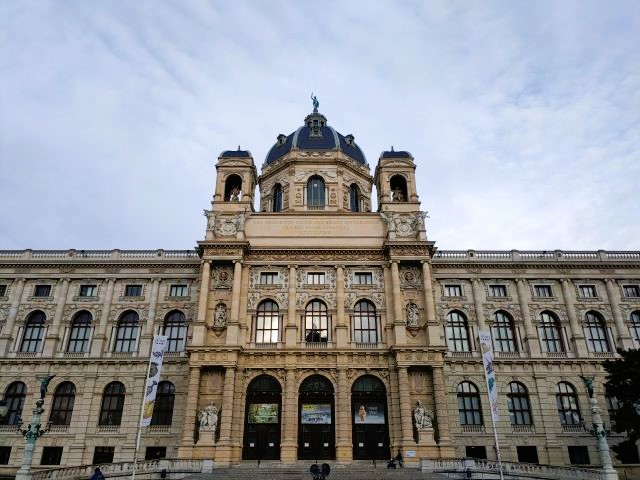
(33, 431)
(598, 431)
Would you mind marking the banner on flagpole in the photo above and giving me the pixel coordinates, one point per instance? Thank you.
(153, 378)
(486, 347)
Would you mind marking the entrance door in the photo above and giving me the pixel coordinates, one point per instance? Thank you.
(262, 420)
(369, 417)
(316, 413)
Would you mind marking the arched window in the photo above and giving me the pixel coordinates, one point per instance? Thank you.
(233, 188)
(354, 198)
(457, 332)
(567, 402)
(163, 408)
(316, 192)
(316, 324)
(175, 329)
(518, 404)
(550, 333)
(112, 404)
(127, 333)
(267, 322)
(635, 327)
(14, 396)
(469, 409)
(398, 186)
(33, 332)
(596, 331)
(277, 198)
(504, 334)
(80, 332)
(62, 406)
(365, 322)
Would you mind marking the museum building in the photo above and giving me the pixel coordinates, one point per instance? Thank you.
(313, 328)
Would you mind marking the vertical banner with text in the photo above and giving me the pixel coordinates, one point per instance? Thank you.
(486, 347)
(155, 365)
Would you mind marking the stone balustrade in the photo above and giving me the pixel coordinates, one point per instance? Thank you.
(444, 256)
(178, 469)
(87, 255)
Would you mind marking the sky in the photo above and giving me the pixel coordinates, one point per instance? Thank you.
(523, 117)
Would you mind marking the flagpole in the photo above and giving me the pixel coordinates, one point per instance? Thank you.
(492, 402)
(144, 395)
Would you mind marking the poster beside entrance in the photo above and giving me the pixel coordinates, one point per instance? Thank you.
(315, 414)
(368, 413)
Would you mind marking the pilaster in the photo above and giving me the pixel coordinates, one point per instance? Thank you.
(623, 336)
(576, 332)
(531, 338)
(6, 339)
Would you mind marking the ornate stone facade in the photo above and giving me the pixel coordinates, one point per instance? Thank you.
(315, 323)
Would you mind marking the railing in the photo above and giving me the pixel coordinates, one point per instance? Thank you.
(510, 469)
(454, 354)
(312, 208)
(59, 429)
(108, 429)
(555, 354)
(316, 345)
(508, 354)
(365, 345)
(155, 429)
(572, 428)
(8, 429)
(473, 428)
(122, 469)
(603, 354)
(99, 254)
(534, 256)
(522, 428)
(266, 345)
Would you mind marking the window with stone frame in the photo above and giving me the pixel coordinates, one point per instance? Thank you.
(112, 404)
(363, 278)
(452, 290)
(3, 290)
(133, 291)
(588, 291)
(269, 278)
(33, 333)
(518, 404)
(631, 291)
(163, 407)
(567, 404)
(458, 332)
(14, 396)
(103, 455)
(80, 333)
(127, 333)
(365, 322)
(578, 455)
(42, 291)
(51, 456)
(316, 322)
(64, 398)
(497, 290)
(550, 333)
(504, 333)
(175, 329)
(88, 291)
(542, 291)
(635, 327)
(596, 333)
(316, 278)
(267, 322)
(5, 454)
(469, 407)
(178, 290)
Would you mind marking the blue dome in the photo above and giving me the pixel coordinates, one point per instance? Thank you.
(315, 136)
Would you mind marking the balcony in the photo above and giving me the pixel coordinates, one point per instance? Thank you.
(473, 428)
(522, 429)
(572, 428)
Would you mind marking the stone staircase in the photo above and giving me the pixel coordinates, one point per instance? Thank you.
(300, 471)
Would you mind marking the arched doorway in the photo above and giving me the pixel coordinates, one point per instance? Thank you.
(262, 420)
(316, 413)
(369, 419)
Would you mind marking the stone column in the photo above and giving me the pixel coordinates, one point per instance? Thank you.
(145, 343)
(99, 341)
(51, 341)
(291, 330)
(576, 331)
(6, 337)
(478, 295)
(342, 326)
(200, 328)
(344, 447)
(442, 409)
(398, 323)
(289, 444)
(232, 325)
(531, 338)
(405, 408)
(623, 336)
(434, 339)
(191, 410)
(223, 455)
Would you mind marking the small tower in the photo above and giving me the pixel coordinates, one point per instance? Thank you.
(234, 194)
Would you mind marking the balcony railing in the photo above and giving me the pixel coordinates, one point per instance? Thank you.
(522, 429)
(572, 428)
(534, 256)
(473, 428)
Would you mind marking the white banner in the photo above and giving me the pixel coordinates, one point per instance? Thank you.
(155, 365)
(486, 347)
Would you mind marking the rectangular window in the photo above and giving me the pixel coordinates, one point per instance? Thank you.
(527, 454)
(5, 453)
(630, 291)
(178, 291)
(152, 453)
(51, 456)
(476, 452)
(103, 455)
(588, 291)
(269, 278)
(578, 455)
(497, 291)
(542, 291)
(315, 278)
(88, 290)
(452, 291)
(3, 290)
(133, 291)
(42, 291)
(363, 278)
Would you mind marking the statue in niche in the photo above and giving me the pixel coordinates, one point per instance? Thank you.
(208, 418)
(412, 315)
(398, 195)
(220, 316)
(422, 417)
(235, 194)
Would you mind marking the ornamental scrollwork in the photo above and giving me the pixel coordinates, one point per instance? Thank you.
(222, 277)
(410, 277)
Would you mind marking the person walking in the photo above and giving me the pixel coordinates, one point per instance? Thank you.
(399, 458)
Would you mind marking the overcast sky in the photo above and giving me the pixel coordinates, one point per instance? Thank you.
(523, 117)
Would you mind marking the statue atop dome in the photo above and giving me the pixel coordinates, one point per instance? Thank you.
(316, 103)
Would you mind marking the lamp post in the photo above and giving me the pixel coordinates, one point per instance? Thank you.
(33, 431)
(598, 431)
